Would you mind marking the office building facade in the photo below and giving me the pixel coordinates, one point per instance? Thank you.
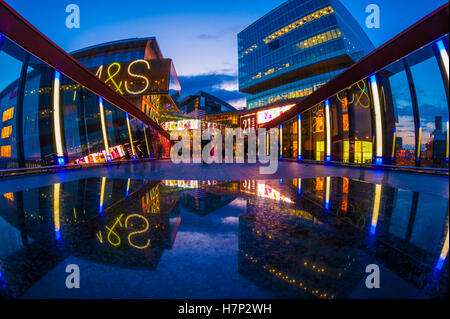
(296, 48)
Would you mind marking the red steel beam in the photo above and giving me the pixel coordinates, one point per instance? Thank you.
(19, 30)
(418, 35)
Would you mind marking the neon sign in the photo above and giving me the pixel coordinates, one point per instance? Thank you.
(181, 125)
(139, 77)
(266, 191)
(268, 115)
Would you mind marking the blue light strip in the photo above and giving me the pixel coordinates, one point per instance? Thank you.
(299, 132)
(281, 141)
(328, 131)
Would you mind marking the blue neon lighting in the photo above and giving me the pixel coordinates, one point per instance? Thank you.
(373, 229)
(57, 75)
(58, 234)
(328, 158)
(134, 157)
(379, 161)
(327, 103)
(300, 157)
(108, 158)
(126, 115)
(439, 264)
(61, 161)
(440, 45)
(373, 79)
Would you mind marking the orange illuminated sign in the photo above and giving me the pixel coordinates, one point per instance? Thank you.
(269, 115)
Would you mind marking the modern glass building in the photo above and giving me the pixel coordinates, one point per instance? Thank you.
(296, 48)
(200, 104)
(50, 115)
(390, 108)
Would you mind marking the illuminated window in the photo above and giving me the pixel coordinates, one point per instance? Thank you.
(8, 114)
(6, 131)
(321, 38)
(9, 196)
(6, 151)
(320, 150)
(309, 18)
(363, 152)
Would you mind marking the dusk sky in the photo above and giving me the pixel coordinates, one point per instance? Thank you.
(200, 36)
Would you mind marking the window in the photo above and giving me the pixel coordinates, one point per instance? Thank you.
(6, 151)
(6, 131)
(8, 114)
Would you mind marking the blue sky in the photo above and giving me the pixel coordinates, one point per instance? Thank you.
(199, 35)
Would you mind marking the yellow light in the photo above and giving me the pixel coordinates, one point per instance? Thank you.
(444, 251)
(7, 131)
(393, 145)
(8, 114)
(378, 120)
(146, 142)
(138, 76)
(102, 192)
(376, 207)
(6, 151)
(56, 114)
(131, 138)
(103, 122)
(419, 146)
(138, 232)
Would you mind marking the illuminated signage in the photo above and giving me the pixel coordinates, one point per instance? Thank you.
(267, 191)
(248, 122)
(269, 115)
(181, 125)
(181, 184)
(136, 78)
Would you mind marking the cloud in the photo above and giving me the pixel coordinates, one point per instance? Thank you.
(223, 86)
(207, 37)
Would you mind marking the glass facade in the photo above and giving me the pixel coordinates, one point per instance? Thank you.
(296, 48)
(398, 116)
(48, 119)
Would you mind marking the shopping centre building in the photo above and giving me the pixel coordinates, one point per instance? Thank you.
(101, 104)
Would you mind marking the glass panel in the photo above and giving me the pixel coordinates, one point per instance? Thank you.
(433, 110)
(11, 60)
(404, 149)
(38, 127)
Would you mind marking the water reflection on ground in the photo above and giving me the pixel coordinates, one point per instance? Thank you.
(300, 238)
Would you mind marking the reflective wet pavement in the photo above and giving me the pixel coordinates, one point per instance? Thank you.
(296, 238)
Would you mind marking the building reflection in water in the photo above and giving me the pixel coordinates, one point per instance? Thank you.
(319, 246)
(299, 238)
(89, 219)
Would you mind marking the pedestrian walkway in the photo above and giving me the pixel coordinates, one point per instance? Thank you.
(166, 170)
